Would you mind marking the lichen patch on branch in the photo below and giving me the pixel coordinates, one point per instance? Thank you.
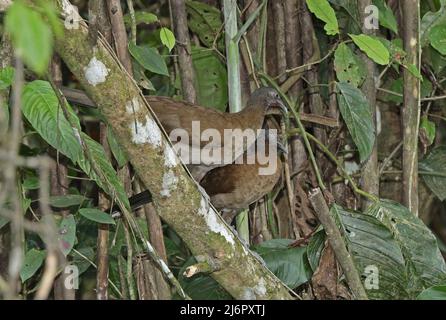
(213, 223)
(147, 132)
(169, 183)
(95, 72)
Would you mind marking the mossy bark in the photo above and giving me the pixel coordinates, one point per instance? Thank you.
(179, 201)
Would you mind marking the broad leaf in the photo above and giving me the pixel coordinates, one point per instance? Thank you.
(427, 131)
(81, 257)
(31, 36)
(348, 67)
(433, 293)
(437, 37)
(315, 248)
(167, 38)
(41, 109)
(375, 250)
(386, 17)
(356, 113)
(205, 21)
(66, 201)
(424, 264)
(149, 58)
(434, 171)
(431, 20)
(211, 77)
(323, 11)
(372, 47)
(33, 261)
(140, 17)
(97, 216)
(289, 264)
(67, 233)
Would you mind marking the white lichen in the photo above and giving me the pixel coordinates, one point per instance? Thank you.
(213, 223)
(248, 294)
(147, 132)
(132, 106)
(260, 288)
(95, 72)
(169, 183)
(170, 158)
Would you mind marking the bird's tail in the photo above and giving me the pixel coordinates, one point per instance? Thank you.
(136, 201)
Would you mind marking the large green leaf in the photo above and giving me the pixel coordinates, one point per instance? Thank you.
(356, 113)
(431, 20)
(96, 215)
(386, 17)
(140, 17)
(66, 201)
(424, 264)
(82, 258)
(372, 47)
(33, 261)
(374, 248)
(433, 293)
(435, 164)
(67, 233)
(315, 248)
(41, 109)
(30, 34)
(149, 58)
(348, 67)
(205, 21)
(117, 151)
(211, 77)
(167, 38)
(437, 37)
(289, 264)
(323, 11)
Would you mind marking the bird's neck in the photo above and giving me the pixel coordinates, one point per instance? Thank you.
(253, 116)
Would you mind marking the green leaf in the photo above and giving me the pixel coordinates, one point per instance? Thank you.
(97, 216)
(386, 17)
(315, 248)
(6, 77)
(66, 201)
(212, 79)
(41, 109)
(117, 151)
(374, 248)
(30, 35)
(149, 58)
(167, 38)
(427, 130)
(33, 261)
(438, 39)
(347, 66)
(140, 17)
(289, 264)
(372, 47)
(323, 11)
(433, 293)
(413, 69)
(397, 87)
(67, 234)
(435, 163)
(79, 258)
(431, 20)
(205, 21)
(424, 263)
(356, 113)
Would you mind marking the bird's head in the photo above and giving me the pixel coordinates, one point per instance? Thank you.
(268, 99)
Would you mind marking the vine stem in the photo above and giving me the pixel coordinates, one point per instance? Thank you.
(332, 157)
(301, 128)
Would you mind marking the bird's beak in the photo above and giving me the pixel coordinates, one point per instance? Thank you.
(277, 107)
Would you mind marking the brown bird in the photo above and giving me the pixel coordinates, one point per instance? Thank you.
(174, 115)
(182, 115)
(234, 187)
